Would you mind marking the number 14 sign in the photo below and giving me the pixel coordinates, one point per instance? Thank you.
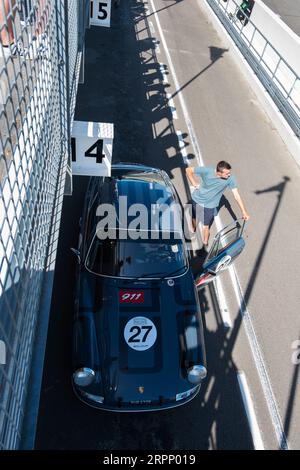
(100, 13)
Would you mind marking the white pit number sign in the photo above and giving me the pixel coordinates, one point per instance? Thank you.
(140, 333)
(100, 13)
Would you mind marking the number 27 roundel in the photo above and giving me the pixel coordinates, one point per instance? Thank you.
(140, 333)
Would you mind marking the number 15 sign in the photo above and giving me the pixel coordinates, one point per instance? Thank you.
(100, 13)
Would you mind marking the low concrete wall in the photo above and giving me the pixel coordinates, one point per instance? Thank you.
(284, 40)
(278, 34)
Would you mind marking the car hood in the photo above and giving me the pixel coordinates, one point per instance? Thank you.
(140, 337)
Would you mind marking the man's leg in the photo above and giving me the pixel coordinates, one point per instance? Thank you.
(197, 215)
(206, 234)
(194, 216)
(209, 214)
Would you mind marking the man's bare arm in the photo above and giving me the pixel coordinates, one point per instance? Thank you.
(241, 205)
(190, 175)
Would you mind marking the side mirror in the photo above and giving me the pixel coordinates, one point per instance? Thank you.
(77, 254)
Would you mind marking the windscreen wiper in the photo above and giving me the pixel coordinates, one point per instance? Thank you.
(175, 272)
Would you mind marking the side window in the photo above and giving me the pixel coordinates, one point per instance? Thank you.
(227, 245)
(225, 238)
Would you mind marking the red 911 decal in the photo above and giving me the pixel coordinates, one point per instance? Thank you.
(136, 296)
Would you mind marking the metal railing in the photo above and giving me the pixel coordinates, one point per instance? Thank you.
(276, 75)
(39, 72)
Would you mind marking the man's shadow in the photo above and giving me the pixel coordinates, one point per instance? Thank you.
(226, 204)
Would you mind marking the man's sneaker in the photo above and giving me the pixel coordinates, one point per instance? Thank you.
(205, 247)
(193, 235)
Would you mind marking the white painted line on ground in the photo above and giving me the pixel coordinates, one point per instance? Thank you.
(178, 90)
(152, 29)
(172, 106)
(248, 404)
(162, 69)
(259, 361)
(224, 310)
(182, 148)
(270, 398)
(157, 48)
(257, 354)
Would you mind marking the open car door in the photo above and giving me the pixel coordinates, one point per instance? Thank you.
(227, 245)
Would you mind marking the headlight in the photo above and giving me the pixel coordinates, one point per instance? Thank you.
(196, 374)
(83, 377)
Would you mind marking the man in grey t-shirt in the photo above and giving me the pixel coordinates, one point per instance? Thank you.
(214, 181)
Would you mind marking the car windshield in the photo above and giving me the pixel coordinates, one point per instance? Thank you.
(136, 258)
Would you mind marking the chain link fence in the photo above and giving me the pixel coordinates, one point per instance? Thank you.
(277, 76)
(40, 52)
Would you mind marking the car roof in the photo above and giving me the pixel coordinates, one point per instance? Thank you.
(141, 184)
(145, 186)
(146, 190)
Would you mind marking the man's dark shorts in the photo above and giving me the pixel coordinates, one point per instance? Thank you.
(204, 214)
